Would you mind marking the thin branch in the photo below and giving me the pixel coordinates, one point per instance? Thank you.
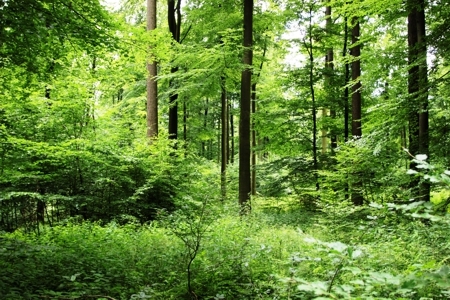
(185, 35)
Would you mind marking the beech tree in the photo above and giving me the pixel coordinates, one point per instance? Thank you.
(224, 138)
(152, 85)
(174, 21)
(328, 72)
(418, 88)
(245, 109)
(357, 197)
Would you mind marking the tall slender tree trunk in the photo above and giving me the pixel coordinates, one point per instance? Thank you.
(418, 90)
(423, 95)
(219, 139)
(174, 21)
(253, 162)
(224, 145)
(245, 110)
(231, 134)
(152, 86)
(346, 80)
(313, 99)
(329, 66)
(356, 88)
(205, 127)
(357, 197)
(229, 131)
(254, 141)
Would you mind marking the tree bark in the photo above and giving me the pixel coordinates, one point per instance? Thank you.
(357, 197)
(174, 21)
(418, 90)
(329, 66)
(245, 110)
(254, 142)
(152, 86)
(346, 79)
(253, 162)
(313, 99)
(224, 145)
(356, 88)
(205, 127)
(423, 96)
(231, 134)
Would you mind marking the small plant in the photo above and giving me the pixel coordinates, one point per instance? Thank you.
(190, 224)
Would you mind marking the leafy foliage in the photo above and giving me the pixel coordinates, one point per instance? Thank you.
(390, 254)
(89, 208)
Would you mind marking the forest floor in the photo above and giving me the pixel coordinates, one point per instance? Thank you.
(280, 251)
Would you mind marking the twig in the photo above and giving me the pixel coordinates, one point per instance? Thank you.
(336, 273)
(185, 35)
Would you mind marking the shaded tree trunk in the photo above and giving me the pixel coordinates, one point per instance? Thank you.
(418, 90)
(356, 88)
(253, 162)
(313, 98)
(174, 21)
(224, 145)
(205, 127)
(254, 142)
(152, 86)
(346, 80)
(423, 96)
(245, 110)
(357, 197)
(329, 66)
(231, 153)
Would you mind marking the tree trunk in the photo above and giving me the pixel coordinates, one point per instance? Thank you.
(152, 86)
(357, 197)
(346, 79)
(253, 162)
(329, 66)
(229, 130)
(245, 111)
(231, 134)
(174, 21)
(356, 88)
(423, 96)
(418, 90)
(313, 99)
(224, 145)
(253, 99)
(205, 127)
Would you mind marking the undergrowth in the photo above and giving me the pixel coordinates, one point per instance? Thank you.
(278, 252)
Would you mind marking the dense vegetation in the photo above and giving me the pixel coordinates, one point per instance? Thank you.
(282, 149)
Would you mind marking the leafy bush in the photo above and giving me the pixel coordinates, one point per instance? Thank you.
(378, 173)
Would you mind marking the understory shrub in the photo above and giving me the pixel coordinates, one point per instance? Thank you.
(81, 180)
(205, 252)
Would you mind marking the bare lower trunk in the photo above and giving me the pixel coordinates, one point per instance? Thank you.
(357, 196)
(245, 109)
(224, 145)
(152, 86)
